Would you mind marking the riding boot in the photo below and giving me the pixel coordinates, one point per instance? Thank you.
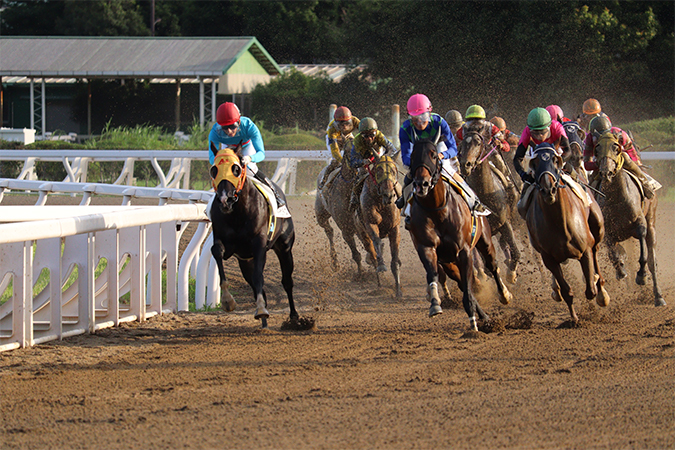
(329, 169)
(633, 168)
(355, 199)
(471, 198)
(261, 177)
(406, 194)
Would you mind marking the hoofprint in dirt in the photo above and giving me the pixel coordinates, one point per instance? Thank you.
(376, 372)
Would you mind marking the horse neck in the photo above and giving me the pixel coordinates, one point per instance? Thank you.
(617, 190)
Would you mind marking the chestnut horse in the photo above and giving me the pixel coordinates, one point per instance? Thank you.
(474, 151)
(379, 215)
(626, 213)
(562, 226)
(241, 227)
(444, 232)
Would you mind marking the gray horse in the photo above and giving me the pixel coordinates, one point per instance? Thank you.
(333, 201)
(626, 213)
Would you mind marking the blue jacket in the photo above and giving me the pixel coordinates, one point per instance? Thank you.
(408, 135)
(247, 133)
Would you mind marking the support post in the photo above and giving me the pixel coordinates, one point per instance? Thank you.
(331, 111)
(89, 108)
(177, 104)
(395, 125)
(201, 103)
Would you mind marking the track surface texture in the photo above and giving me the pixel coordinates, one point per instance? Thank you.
(375, 373)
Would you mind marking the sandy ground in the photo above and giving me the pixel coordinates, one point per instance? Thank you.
(376, 372)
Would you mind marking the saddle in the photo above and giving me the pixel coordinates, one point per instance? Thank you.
(274, 212)
(526, 198)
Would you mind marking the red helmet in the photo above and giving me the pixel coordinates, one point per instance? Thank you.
(418, 104)
(556, 112)
(227, 114)
(342, 113)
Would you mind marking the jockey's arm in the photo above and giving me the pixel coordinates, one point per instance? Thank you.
(518, 160)
(332, 144)
(406, 147)
(451, 151)
(589, 157)
(251, 131)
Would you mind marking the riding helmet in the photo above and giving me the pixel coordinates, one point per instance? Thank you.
(227, 114)
(475, 112)
(367, 124)
(342, 113)
(600, 125)
(418, 104)
(538, 119)
(591, 106)
(499, 123)
(454, 118)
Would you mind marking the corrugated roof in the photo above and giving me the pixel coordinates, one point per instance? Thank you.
(117, 57)
(334, 71)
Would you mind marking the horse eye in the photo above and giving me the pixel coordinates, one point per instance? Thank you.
(236, 170)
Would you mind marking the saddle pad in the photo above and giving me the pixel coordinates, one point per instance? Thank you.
(281, 213)
(577, 189)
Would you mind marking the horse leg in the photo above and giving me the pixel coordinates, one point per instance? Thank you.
(465, 264)
(588, 269)
(322, 217)
(560, 285)
(651, 261)
(351, 243)
(617, 255)
(365, 238)
(226, 299)
(285, 256)
(430, 262)
(642, 271)
(508, 243)
(602, 299)
(488, 252)
(394, 243)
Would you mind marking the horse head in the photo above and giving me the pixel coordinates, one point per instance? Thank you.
(228, 176)
(473, 149)
(425, 167)
(385, 174)
(576, 135)
(608, 155)
(547, 167)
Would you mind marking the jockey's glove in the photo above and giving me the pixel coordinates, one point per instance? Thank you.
(245, 160)
(526, 177)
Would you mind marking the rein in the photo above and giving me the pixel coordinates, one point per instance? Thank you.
(488, 154)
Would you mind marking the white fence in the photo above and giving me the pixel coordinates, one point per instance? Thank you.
(134, 242)
(76, 164)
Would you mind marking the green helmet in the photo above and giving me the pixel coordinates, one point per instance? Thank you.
(454, 117)
(538, 119)
(367, 124)
(475, 112)
(600, 125)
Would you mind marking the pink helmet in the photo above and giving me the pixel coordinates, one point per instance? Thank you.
(556, 112)
(418, 104)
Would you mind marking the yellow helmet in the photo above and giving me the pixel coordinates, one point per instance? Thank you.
(475, 112)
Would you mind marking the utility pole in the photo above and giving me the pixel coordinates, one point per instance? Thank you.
(152, 17)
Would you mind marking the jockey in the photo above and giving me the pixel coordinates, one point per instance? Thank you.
(556, 113)
(509, 137)
(454, 119)
(475, 116)
(338, 133)
(631, 161)
(231, 129)
(591, 109)
(368, 144)
(540, 128)
(423, 124)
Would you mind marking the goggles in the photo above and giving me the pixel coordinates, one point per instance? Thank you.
(343, 123)
(421, 118)
(234, 126)
(369, 134)
(539, 133)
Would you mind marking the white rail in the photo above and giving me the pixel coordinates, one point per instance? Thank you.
(134, 242)
(76, 163)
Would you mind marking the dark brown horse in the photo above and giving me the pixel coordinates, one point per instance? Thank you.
(627, 213)
(562, 226)
(333, 201)
(474, 151)
(444, 233)
(241, 227)
(378, 215)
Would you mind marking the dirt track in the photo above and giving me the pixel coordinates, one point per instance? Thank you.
(377, 373)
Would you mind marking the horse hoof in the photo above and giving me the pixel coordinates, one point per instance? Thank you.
(435, 310)
(602, 298)
(261, 313)
(555, 295)
(506, 298)
(640, 280)
(621, 274)
(229, 305)
(659, 301)
(511, 276)
(381, 268)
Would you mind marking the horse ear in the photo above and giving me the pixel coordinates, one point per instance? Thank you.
(213, 172)
(582, 134)
(533, 163)
(559, 162)
(238, 148)
(213, 148)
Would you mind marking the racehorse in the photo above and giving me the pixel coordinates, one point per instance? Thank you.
(333, 201)
(627, 213)
(379, 216)
(444, 232)
(242, 227)
(474, 151)
(562, 225)
(576, 136)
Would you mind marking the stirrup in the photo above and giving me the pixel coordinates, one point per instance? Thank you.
(400, 202)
